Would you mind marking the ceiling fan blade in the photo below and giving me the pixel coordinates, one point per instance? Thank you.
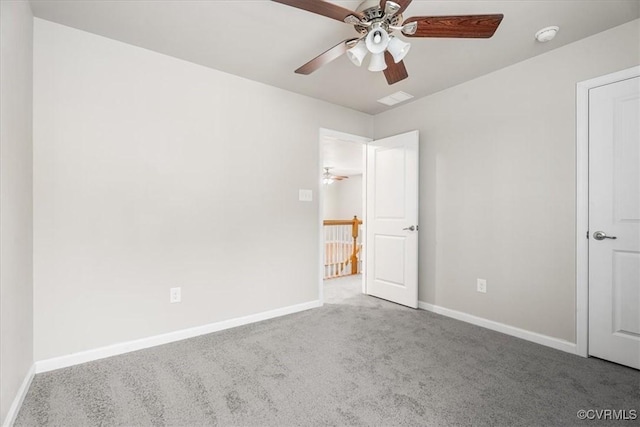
(402, 3)
(326, 57)
(466, 26)
(394, 72)
(323, 8)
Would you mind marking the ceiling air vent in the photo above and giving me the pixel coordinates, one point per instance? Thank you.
(395, 98)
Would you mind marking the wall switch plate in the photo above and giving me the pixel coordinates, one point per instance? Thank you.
(175, 295)
(482, 286)
(305, 195)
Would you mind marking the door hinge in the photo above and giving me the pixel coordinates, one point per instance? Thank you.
(587, 236)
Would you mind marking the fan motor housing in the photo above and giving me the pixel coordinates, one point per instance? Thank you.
(371, 11)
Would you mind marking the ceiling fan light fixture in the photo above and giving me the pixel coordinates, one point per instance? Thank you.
(357, 53)
(327, 181)
(375, 20)
(377, 40)
(377, 62)
(398, 49)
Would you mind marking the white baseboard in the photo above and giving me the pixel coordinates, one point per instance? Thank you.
(535, 337)
(17, 402)
(126, 347)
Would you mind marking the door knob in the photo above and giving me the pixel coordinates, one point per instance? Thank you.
(412, 228)
(601, 235)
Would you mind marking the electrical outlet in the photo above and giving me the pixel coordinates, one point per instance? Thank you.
(175, 295)
(482, 286)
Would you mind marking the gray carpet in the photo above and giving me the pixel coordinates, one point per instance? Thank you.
(360, 362)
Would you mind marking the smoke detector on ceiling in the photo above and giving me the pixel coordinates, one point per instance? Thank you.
(547, 34)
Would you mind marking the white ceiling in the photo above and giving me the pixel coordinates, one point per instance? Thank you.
(265, 41)
(343, 157)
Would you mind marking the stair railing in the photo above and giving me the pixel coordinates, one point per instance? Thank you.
(343, 245)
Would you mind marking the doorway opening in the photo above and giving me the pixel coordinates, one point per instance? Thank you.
(385, 247)
(342, 214)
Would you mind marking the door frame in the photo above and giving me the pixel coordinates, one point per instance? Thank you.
(363, 140)
(582, 200)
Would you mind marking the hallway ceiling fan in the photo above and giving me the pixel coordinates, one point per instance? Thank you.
(377, 20)
(329, 178)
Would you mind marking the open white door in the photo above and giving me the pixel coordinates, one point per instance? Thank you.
(614, 222)
(392, 219)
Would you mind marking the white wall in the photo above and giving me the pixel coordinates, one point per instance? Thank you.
(152, 172)
(343, 199)
(497, 179)
(16, 267)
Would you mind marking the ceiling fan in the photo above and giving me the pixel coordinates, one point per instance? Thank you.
(376, 20)
(328, 177)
